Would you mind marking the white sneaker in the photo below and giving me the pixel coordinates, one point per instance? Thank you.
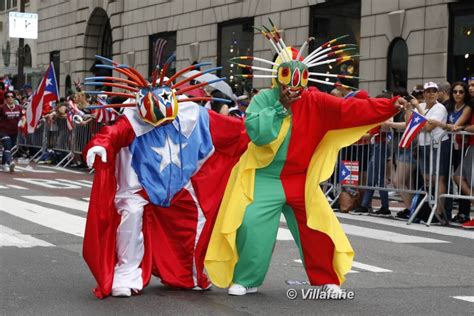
(198, 288)
(237, 289)
(6, 168)
(11, 167)
(121, 292)
(333, 290)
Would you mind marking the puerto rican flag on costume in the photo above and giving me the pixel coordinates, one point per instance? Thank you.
(46, 93)
(181, 168)
(105, 115)
(414, 126)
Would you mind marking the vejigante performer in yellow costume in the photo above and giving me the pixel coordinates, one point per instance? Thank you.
(295, 134)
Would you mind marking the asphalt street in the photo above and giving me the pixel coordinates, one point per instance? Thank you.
(398, 268)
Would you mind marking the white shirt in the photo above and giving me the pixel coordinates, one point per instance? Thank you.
(437, 112)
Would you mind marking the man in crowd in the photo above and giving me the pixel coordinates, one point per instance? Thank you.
(10, 115)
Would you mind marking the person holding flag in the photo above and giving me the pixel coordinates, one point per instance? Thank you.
(295, 134)
(431, 139)
(46, 93)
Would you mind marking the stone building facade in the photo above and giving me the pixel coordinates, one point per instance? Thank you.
(72, 32)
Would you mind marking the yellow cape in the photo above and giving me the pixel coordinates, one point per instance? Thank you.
(222, 255)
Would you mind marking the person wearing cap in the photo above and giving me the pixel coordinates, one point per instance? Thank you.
(432, 137)
(28, 90)
(10, 115)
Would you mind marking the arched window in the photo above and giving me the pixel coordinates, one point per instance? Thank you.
(27, 56)
(397, 64)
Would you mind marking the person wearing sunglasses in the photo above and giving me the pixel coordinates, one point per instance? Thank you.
(10, 115)
(459, 115)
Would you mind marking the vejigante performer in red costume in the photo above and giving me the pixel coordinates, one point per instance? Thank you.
(295, 134)
(160, 173)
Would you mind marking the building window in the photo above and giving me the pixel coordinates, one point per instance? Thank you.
(397, 64)
(235, 38)
(2, 5)
(54, 57)
(331, 20)
(27, 60)
(161, 47)
(461, 41)
(9, 4)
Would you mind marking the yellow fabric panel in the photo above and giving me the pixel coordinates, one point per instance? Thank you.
(319, 213)
(222, 255)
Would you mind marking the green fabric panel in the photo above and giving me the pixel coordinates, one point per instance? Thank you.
(256, 236)
(264, 117)
(293, 227)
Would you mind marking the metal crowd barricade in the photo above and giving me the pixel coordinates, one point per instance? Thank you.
(410, 181)
(37, 140)
(459, 141)
(62, 140)
(385, 147)
(81, 135)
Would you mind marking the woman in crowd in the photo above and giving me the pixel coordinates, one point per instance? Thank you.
(459, 115)
(404, 158)
(430, 140)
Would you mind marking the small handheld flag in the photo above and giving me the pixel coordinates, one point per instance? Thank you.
(414, 126)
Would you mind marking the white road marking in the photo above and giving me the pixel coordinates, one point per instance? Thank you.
(465, 298)
(86, 199)
(368, 267)
(60, 201)
(51, 218)
(13, 238)
(50, 183)
(79, 183)
(3, 187)
(361, 266)
(13, 186)
(284, 234)
(30, 169)
(439, 230)
(61, 169)
(384, 235)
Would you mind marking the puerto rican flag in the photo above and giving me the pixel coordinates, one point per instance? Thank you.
(414, 126)
(349, 172)
(105, 115)
(46, 93)
(70, 120)
(7, 83)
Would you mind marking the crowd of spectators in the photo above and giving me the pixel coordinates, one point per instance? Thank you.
(382, 164)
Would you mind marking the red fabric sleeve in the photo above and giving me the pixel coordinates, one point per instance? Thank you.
(228, 134)
(112, 138)
(353, 112)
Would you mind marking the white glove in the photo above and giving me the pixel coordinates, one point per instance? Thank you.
(96, 150)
